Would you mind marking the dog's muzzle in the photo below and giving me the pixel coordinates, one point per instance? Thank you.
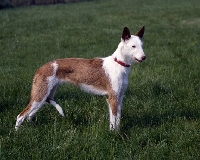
(142, 59)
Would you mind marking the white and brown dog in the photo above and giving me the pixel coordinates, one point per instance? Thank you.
(101, 76)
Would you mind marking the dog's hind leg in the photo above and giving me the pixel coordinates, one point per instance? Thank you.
(28, 112)
(39, 93)
(34, 109)
(51, 101)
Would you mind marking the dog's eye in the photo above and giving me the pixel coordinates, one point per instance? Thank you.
(133, 46)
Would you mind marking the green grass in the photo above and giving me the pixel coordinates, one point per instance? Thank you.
(161, 113)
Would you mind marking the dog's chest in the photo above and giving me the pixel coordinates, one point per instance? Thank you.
(119, 82)
(118, 75)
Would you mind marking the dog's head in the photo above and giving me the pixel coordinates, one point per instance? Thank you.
(132, 45)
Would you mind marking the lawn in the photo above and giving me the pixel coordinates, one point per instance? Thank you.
(161, 113)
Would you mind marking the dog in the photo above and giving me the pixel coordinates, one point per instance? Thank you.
(100, 76)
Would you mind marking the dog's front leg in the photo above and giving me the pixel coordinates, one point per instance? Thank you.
(117, 119)
(114, 120)
(114, 112)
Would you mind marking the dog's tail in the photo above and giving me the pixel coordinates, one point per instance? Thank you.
(57, 106)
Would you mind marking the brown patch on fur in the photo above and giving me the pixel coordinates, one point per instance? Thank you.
(87, 71)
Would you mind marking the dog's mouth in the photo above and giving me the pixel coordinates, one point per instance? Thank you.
(137, 60)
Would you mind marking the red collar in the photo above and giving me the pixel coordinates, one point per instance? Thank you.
(121, 63)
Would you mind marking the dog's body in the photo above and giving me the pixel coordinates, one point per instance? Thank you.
(101, 76)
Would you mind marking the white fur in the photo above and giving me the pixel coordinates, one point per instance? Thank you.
(57, 107)
(52, 80)
(19, 121)
(91, 89)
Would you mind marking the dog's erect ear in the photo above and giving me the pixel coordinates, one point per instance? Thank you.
(126, 34)
(140, 33)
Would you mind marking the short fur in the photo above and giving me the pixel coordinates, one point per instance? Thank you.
(101, 76)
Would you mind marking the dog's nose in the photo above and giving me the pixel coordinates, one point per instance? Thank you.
(143, 57)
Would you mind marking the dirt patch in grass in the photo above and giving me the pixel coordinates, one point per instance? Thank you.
(192, 22)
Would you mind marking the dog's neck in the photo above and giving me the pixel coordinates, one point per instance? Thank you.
(121, 63)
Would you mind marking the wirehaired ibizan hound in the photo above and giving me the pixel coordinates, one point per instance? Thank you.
(101, 76)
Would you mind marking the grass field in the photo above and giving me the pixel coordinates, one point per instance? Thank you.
(161, 113)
